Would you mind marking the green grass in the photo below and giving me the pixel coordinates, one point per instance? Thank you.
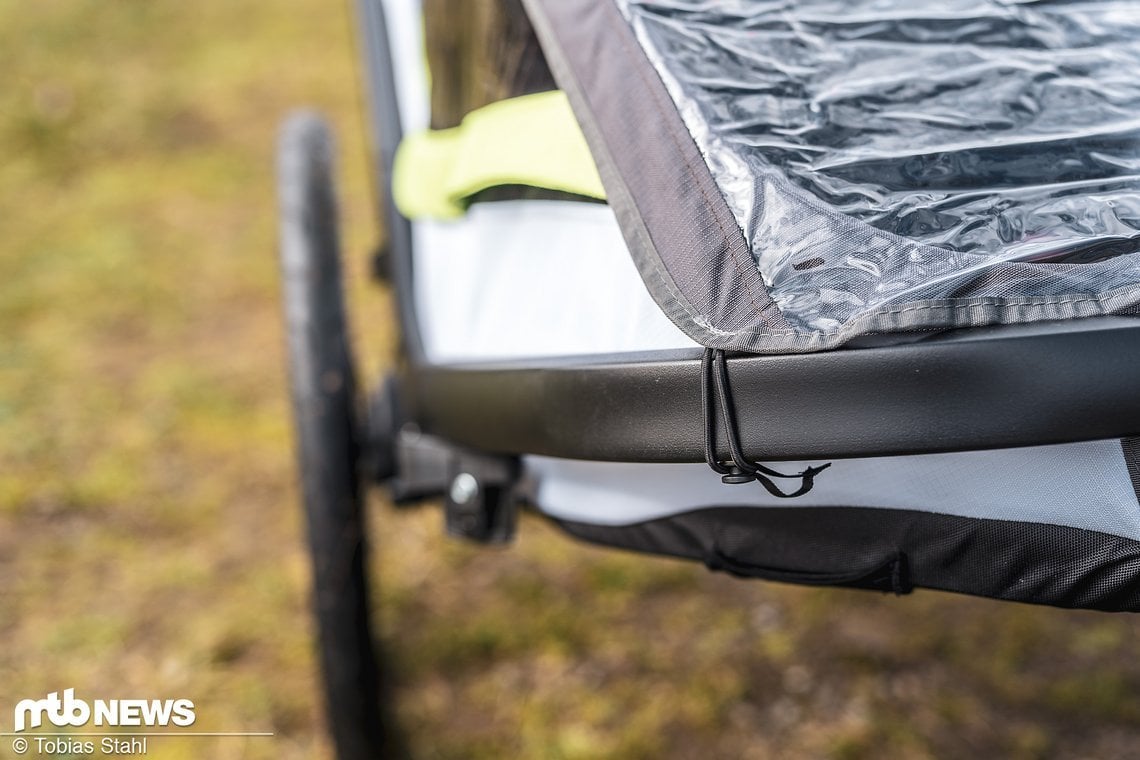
(150, 540)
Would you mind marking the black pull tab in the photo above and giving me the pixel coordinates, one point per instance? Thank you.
(714, 375)
(807, 476)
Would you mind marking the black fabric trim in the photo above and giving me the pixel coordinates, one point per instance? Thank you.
(1131, 449)
(893, 550)
(500, 193)
(680, 232)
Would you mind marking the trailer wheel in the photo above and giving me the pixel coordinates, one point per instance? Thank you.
(320, 368)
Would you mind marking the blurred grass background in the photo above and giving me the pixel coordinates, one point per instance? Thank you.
(150, 535)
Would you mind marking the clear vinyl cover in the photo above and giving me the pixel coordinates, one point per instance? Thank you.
(883, 153)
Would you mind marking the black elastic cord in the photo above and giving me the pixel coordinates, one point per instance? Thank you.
(710, 415)
(714, 372)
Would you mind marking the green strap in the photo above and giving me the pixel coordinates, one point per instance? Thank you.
(530, 140)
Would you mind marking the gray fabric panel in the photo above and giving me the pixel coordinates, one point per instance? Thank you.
(1081, 485)
(682, 236)
(1131, 447)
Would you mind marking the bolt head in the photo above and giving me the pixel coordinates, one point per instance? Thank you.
(464, 488)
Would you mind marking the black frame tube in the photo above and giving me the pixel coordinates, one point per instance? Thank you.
(983, 388)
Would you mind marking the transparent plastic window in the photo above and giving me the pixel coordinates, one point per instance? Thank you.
(885, 151)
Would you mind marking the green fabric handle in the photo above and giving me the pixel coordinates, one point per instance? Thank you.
(530, 140)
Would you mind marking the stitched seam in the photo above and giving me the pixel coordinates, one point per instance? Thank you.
(995, 303)
(990, 303)
(671, 130)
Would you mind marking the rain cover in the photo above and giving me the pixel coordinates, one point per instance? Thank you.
(884, 165)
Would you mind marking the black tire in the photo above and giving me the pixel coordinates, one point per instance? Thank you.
(320, 368)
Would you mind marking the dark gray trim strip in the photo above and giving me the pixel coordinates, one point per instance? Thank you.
(983, 388)
(1131, 448)
(681, 234)
(891, 550)
(385, 132)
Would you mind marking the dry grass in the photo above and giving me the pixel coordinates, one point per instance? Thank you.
(150, 539)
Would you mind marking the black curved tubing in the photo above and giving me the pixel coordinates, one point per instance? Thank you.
(974, 389)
